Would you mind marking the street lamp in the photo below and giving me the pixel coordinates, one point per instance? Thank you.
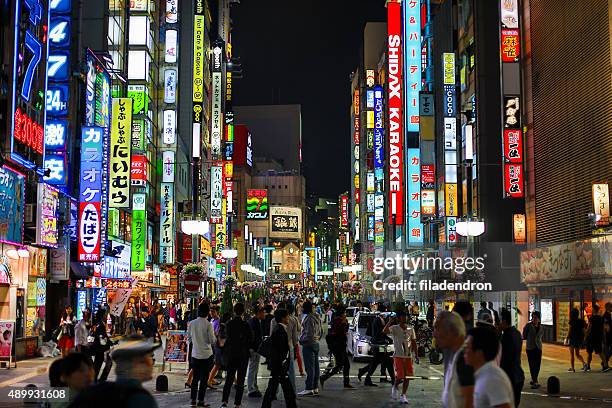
(195, 227)
(228, 253)
(470, 227)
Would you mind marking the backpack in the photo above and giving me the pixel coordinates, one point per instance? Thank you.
(106, 394)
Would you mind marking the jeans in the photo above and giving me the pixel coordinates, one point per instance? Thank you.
(535, 361)
(235, 368)
(279, 377)
(253, 371)
(201, 370)
(310, 353)
(380, 356)
(341, 364)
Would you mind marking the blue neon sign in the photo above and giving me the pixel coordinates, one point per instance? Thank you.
(412, 61)
(56, 165)
(57, 99)
(415, 227)
(56, 134)
(59, 31)
(379, 153)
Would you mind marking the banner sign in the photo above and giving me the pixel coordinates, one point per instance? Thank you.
(217, 114)
(140, 99)
(138, 134)
(216, 193)
(139, 170)
(139, 231)
(170, 78)
(379, 150)
(169, 137)
(412, 62)
(344, 210)
(120, 153)
(257, 204)
(90, 195)
(285, 222)
(166, 230)
(452, 209)
(601, 204)
(415, 227)
(396, 118)
(47, 231)
(118, 266)
(513, 180)
(198, 58)
(12, 197)
(513, 145)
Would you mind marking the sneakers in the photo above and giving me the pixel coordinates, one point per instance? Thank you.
(571, 370)
(316, 391)
(605, 369)
(306, 393)
(255, 394)
(393, 392)
(535, 386)
(586, 368)
(193, 403)
(369, 383)
(403, 399)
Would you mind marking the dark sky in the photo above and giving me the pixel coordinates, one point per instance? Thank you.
(302, 52)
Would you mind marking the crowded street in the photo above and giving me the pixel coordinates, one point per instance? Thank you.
(305, 203)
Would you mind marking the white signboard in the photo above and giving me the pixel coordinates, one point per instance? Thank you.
(216, 193)
(58, 264)
(168, 166)
(170, 76)
(509, 13)
(450, 133)
(170, 54)
(118, 266)
(171, 11)
(169, 127)
(119, 301)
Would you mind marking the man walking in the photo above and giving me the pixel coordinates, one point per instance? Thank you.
(201, 335)
(595, 339)
(337, 346)
(239, 340)
(404, 346)
(278, 363)
(532, 334)
(512, 346)
(312, 331)
(379, 342)
(256, 326)
(483, 311)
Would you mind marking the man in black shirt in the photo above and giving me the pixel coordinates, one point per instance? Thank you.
(607, 323)
(512, 345)
(256, 323)
(239, 340)
(595, 338)
(379, 342)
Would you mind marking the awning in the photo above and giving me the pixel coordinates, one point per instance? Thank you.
(78, 270)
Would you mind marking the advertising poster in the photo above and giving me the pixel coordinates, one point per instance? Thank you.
(166, 230)
(176, 347)
(139, 232)
(120, 153)
(120, 299)
(7, 329)
(412, 25)
(257, 204)
(285, 222)
(47, 233)
(12, 191)
(415, 227)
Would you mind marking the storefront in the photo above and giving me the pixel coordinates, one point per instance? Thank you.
(567, 276)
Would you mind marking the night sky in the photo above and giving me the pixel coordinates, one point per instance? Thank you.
(302, 52)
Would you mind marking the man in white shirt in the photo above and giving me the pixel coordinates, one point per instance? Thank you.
(404, 345)
(201, 335)
(492, 387)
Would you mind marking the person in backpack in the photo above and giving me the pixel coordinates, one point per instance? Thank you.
(239, 339)
(312, 330)
(134, 360)
(99, 344)
(278, 362)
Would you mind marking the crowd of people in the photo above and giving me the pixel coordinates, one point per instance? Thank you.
(482, 353)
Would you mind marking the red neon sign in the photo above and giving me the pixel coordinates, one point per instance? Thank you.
(28, 132)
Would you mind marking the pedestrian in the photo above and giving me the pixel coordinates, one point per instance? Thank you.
(607, 323)
(267, 322)
(100, 345)
(81, 332)
(76, 373)
(147, 324)
(483, 311)
(254, 359)
(336, 342)
(595, 338)
(415, 309)
(575, 338)
(379, 343)
(494, 314)
(293, 331)
(278, 363)
(129, 320)
(404, 348)
(532, 334)
(312, 330)
(66, 331)
(172, 316)
(431, 313)
(201, 335)
(492, 388)
(299, 317)
(219, 327)
(449, 332)
(512, 346)
(134, 361)
(237, 344)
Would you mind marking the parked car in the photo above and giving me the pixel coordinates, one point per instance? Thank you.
(352, 311)
(358, 342)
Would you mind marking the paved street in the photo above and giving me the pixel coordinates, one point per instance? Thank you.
(579, 389)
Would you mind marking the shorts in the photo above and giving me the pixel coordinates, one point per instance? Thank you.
(403, 367)
(594, 346)
(575, 343)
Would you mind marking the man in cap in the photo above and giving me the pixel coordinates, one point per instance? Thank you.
(134, 365)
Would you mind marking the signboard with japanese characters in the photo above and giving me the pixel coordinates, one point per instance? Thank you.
(513, 180)
(601, 204)
(117, 266)
(415, 227)
(166, 229)
(216, 193)
(12, 197)
(90, 195)
(257, 204)
(513, 145)
(412, 62)
(139, 232)
(47, 232)
(139, 170)
(217, 114)
(120, 153)
(285, 222)
(510, 48)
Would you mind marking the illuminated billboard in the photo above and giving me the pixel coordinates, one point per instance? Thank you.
(285, 222)
(120, 153)
(415, 227)
(412, 62)
(12, 196)
(257, 204)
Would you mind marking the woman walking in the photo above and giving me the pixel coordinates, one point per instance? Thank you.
(101, 344)
(575, 338)
(66, 332)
